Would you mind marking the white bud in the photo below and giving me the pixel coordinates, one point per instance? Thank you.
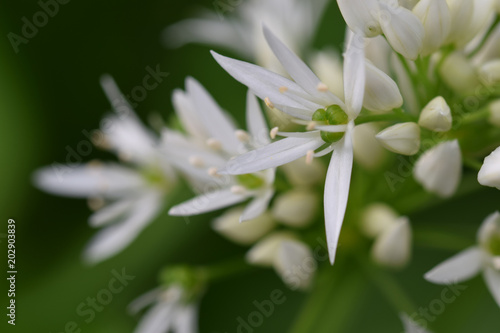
(295, 264)
(461, 17)
(300, 173)
(246, 232)
(401, 138)
(392, 247)
(494, 117)
(439, 169)
(376, 218)
(328, 65)
(295, 208)
(489, 73)
(436, 18)
(381, 92)
(367, 151)
(264, 252)
(459, 73)
(489, 175)
(436, 116)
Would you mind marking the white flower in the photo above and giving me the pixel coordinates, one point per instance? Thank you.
(296, 208)
(439, 169)
(239, 29)
(371, 18)
(130, 196)
(392, 247)
(381, 92)
(401, 138)
(436, 18)
(305, 98)
(485, 258)
(169, 313)
(292, 259)
(248, 232)
(489, 175)
(211, 142)
(411, 326)
(436, 116)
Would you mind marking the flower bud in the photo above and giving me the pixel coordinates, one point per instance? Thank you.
(295, 264)
(392, 248)
(494, 117)
(436, 18)
(264, 252)
(436, 116)
(300, 173)
(244, 233)
(459, 74)
(295, 208)
(439, 169)
(489, 73)
(401, 138)
(489, 175)
(381, 92)
(367, 151)
(376, 218)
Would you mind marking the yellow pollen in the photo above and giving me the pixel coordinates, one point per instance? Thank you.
(268, 103)
(214, 144)
(322, 87)
(309, 157)
(273, 132)
(242, 136)
(213, 172)
(311, 126)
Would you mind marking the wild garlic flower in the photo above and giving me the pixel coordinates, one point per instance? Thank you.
(485, 258)
(126, 196)
(211, 141)
(237, 27)
(171, 311)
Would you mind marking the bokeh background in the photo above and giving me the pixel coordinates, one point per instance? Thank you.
(50, 94)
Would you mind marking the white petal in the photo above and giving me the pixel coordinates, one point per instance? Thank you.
(354, 76)
(256, 123)
(439, 169)
(186, 319)
(116, 237)
(308, 134)
(83, 181)
(458, 268)
(361, 16)
(185, 110)
(158, 319)
(257, 206)
(393, 247)
(403, 30)
(299, 71)
(116, 98)
(492, 279)
(212, 116)
(436, 18)
(337, 183)
(293, 256)
(273, 155)
(403, 138)
(267, 84)
(381, 92)
(144, 300)
(207, 202)
(110, 212)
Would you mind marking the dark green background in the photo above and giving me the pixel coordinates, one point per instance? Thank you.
(50, 93)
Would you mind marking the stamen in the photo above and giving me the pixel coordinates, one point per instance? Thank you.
(196, 161)
(237, 189)
(309, 157)
(274, 132)
(242, 136)
(268, 103)
(95, 203)
(94, 164)
(311, 125)
(321, 87)
(214, 144)
(213, 172)
(283, 89)
(124, 156)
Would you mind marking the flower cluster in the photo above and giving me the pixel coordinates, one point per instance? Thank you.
(417, 82)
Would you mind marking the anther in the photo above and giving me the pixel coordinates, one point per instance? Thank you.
(309, 157)
(214, 144)
(268, 103)
(273, 132)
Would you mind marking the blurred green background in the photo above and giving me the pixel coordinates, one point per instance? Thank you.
(50, 93)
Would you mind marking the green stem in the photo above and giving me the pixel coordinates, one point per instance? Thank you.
(227, 269)
(396, 116)
(470, 118)
(441, 240)
(388, 285)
